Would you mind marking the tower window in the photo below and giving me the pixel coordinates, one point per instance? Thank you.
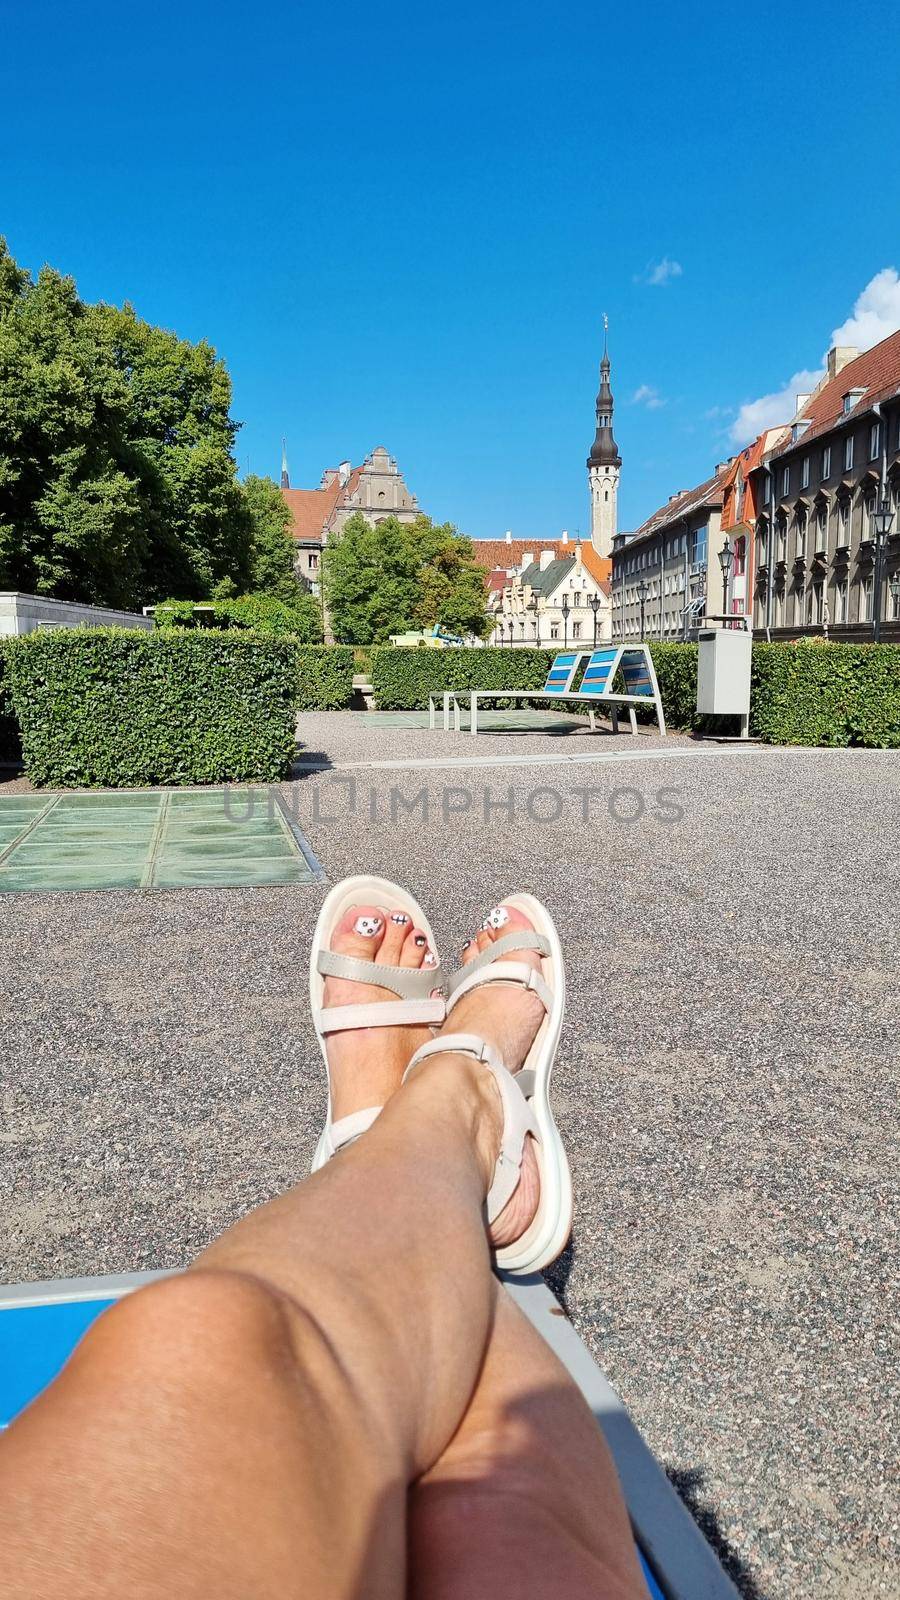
(606, 494)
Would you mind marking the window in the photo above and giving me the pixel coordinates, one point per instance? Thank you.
(798, 608)
(804, 473)
(801, 533)
(810, 607)
(819, 610)
(576, 598)
(786, 481)
(313, 560)
(865, 600)
(840, 600)
(576, 630)
(848, 452)
(826, 462)
(698, 547)
(781, 539)
(554, 630)
(874, 441)
(822, 525)
(844, 522)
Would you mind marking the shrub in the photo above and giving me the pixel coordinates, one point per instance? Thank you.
(118, 707)
(403, 679)
(675, 666)
(301, 619)
(10, 744)
(324, 677)
(839, 694)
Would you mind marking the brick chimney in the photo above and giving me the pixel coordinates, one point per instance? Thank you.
(838, 357)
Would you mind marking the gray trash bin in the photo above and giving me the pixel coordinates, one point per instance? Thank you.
(723, 674)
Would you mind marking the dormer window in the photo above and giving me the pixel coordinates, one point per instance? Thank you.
(851, 399)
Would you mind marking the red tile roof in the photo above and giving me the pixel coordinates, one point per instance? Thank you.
(312, 509)
(500, 555)
(682, 504)
(599, 567)
(876, 370)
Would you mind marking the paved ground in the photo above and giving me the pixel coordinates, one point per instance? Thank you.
(728, 1088)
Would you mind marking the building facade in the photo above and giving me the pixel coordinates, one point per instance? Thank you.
(818, 567)
(377, 489)
(559, 597)
(666, 576)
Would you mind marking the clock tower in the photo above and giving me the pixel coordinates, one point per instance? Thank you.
(604, 465)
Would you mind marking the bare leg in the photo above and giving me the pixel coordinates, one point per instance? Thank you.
(250, 1429)
(525, 1500)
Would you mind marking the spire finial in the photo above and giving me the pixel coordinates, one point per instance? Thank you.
(285, 479)
(605, 336)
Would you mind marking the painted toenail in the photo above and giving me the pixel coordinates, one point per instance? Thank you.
(368, 926)
(420, 939)
(466, 943)
(399, 917)
(430, 959)
(497, 918)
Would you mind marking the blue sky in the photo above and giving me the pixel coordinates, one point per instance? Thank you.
(402, 224)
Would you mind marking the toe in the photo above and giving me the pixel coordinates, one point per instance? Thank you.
(360, 932)
(414, 949)
(483, 940)
(398, 926)
(505, 919)
(469, 951)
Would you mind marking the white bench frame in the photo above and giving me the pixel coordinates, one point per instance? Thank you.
(604, 697)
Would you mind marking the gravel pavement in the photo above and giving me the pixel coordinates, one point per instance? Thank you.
(727, 1087)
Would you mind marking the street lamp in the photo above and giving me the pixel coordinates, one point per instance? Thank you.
(594, 603)
(643, 590)
(726, 557)
(882, 523)
(533, 608)
(565, 615)
(894, 586)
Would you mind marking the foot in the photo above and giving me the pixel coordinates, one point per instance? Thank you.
(507, 1017)
(365, 1065)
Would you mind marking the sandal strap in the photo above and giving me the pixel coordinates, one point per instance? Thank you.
(348, 1129)
(513, 972)
(518, 1117)
(525, 939)
(409, 983)
(379, 1014)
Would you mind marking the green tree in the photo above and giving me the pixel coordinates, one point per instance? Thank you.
(383, 578)
(272, 550)
(117, 475)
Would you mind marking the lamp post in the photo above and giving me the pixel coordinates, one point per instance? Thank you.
(565, 615)
(533, 608)
(594, 603)
(643, 590)
(882, 523)
(894, 586)
(726, 557)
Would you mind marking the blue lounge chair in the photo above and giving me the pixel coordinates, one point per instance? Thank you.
(559, 679)
(40, 1324)
(597, 686)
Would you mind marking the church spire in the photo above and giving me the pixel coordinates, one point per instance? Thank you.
(604, 450)
(604, 462)
(285, 479)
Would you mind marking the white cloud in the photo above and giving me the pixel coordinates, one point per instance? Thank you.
(647, 396)
(658, 273)
(876, 314)
(771, 409)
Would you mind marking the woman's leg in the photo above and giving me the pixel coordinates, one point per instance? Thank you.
(525, 1500)
(250, 1428)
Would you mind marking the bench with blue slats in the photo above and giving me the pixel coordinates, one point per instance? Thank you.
(596, 685)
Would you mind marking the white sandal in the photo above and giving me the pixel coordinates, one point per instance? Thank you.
(415, 988)
(525, 1095)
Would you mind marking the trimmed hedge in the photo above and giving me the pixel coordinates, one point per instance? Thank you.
(117, 707)
(826, 694)
(10, 744)
(263, 612)
(402, 679)
(324, 676)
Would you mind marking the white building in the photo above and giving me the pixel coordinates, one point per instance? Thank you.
(554, 600)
